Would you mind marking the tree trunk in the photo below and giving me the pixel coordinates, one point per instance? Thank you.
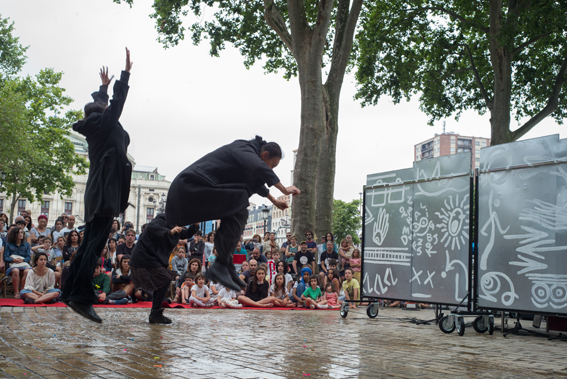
(326, 173)
(12, 207)
(500, 58)
(310, 142)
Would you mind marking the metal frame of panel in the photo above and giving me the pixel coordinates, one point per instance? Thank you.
(433, 181)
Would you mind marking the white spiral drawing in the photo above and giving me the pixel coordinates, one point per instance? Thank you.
(490, 285)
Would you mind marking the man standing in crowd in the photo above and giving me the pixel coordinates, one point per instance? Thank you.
(197, 246)
(303, 257)
(107, 190)
(311, 245)
(127, 247)
(70, 225)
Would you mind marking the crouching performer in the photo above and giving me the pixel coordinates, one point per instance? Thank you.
(218, 186)
(150, 261)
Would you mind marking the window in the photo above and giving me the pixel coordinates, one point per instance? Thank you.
(69, 208)
(21, 206)
(45, 208)
(477, 143)
(1, 205)
(152, 177)
(150, 214)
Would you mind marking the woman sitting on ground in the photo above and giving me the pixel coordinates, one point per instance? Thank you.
(72, 244)
(40, 283)
(257, 292)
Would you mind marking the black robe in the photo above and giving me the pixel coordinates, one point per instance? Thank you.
(219, 184)
(156, 243)
(110, 171)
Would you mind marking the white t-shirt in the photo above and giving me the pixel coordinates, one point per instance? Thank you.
(40, 283)
(227, 294)
(66, 230)
(200, 292)
(218, 287)
(281, 295)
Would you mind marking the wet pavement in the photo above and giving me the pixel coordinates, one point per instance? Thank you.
(56, 343)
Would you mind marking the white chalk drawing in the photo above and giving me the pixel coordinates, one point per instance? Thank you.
(429, 278)
(421, 295)
(455, 222)
(378, 287)
(490, 285)
(381, 227)
(494, 223)
(548, 215)
(549, 290)
(387, 195)
(392, 281)
(495, 154)
(406, 214)
(449, 266)
(416, 275)
(368, 216)
(379, 178)
(528, 264)
(421, 228)
(387, 256)
(537, 245)
(421, 174)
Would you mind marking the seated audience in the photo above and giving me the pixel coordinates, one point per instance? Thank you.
(312, 295)
(280, 292)
(303, 257)
(101, 284)
(189, 281)
(300, 286)
(281, 268)
(40, 283)
(326, 256)
(200, 296)
(72, 244)
(45, 247)
(179, 263)
(257, 256)
(127, 247)
(17, 255)
(227, 299)
(247, 275)
(41, 229)
(257, 291)
(351, 287)
(356, 264)
(331, 297)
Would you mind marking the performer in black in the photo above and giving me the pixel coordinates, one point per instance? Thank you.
(107, 190)
(150, 261)
(218, 186)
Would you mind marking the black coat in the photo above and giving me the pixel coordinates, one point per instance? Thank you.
(156, 243)
(219, 184)
(110, 171)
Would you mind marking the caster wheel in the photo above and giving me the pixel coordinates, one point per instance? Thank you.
(372, 310)
(491, 325)
(446, 326)
(479, 324)
(344, 310)
(460, 326)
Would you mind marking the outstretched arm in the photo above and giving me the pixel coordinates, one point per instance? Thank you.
(112, 114)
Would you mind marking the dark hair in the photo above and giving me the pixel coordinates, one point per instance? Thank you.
(314, 277)
(68, 243)
(255, 279)
(351, 271)
(125, 256)
(190, 275)
(36, 257)
(332, 262)
(209, 236)
(200, 275)
(94, 107)
(330, 284)
(285, 267)
(40, 238)
(198, 233)
(28, 224)
(13, 235)
(335, 274)
(198, 262)
(276, 288)
(130, 231)
(99, 263)
(273, 149)
(113, 221)
(332, 237)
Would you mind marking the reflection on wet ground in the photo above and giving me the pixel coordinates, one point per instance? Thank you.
(56, 343)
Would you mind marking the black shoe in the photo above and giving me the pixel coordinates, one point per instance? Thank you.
(85, 310)
(157, 317)
(236, 278)
(219, 273)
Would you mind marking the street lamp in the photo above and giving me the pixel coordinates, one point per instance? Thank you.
(265, 215)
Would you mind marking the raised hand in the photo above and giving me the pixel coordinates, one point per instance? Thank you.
(104, 76)
(128, 63)
(292, 190)
(281, 204)
(381, 226)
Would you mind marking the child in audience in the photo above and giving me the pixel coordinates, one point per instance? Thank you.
(334, 278)
(245, 266)
(271, 266)
(212, 257)
(300, 286)
(312, 295)
(200, 296)
(186, 287)
(280, 292)
(214, 290)
(40, 283)
(179, 264)
(44, 246)
(351, 287)
(227, 299)
(194, 268)
(101, 284)
(106, 262)
(281, 267)
(355, 264)
(331, 297)
(257, 291)
(265, 267)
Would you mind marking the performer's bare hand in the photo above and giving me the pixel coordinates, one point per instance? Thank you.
(292, 190)
(128, 63)
(177, 229)
(104, 76)
(281, 204)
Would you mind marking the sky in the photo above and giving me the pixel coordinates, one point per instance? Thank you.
(183, 103)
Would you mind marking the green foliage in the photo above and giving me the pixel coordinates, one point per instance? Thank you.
(428, 47)
(12, 56)
(346, 219)
(241, 23)
(35, 153)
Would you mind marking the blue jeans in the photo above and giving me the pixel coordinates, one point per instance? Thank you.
(23, 293)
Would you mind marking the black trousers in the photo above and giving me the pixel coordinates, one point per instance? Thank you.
(79, 283)
(228, 235)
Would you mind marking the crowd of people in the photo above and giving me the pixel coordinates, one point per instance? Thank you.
(293, 274)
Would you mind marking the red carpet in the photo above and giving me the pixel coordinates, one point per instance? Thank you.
(139, 304)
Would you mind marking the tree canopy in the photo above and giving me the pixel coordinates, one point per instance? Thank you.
(505, 57)
(347, 219)
(12, 56)
(35, 153)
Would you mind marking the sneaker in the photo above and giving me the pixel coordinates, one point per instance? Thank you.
(27, 300)
(209, 305)
(322, 306)
(121, 302)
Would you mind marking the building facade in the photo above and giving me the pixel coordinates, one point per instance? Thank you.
(281, 220)
(256, 224)
(450, 143)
